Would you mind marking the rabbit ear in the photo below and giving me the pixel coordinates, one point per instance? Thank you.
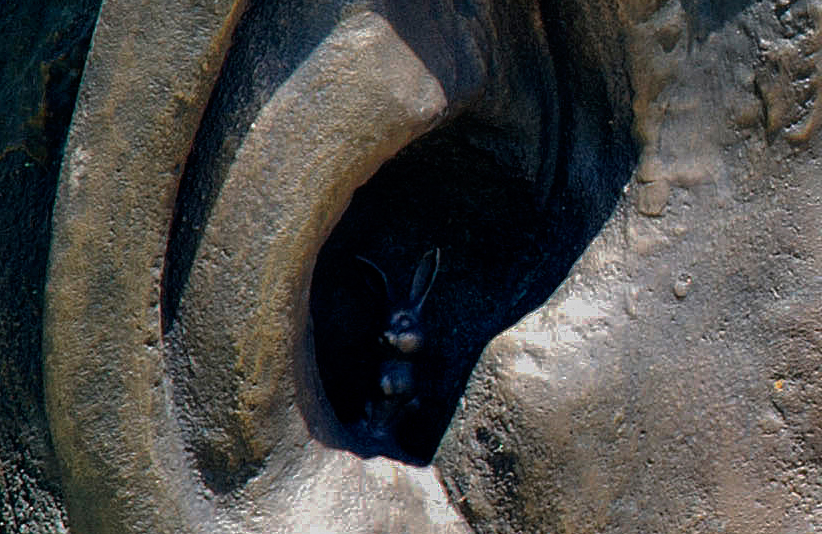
(424, 277)
(376, 279)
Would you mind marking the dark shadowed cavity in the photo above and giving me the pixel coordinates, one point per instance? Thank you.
(501, 254)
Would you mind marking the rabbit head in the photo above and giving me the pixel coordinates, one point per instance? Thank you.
(403, 330)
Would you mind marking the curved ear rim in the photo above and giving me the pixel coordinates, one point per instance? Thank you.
(424, 277)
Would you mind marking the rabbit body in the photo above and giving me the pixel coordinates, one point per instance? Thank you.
(394, 392)
(394, 397)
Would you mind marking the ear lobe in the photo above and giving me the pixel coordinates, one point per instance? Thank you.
(424, 277)
(375, 278)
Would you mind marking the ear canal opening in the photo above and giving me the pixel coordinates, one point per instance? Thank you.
(506, 243)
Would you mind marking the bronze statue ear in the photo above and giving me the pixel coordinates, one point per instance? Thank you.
(375, 279)
(424, 278)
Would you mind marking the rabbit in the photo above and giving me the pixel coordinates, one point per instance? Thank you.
(403, 332)
(400, 340)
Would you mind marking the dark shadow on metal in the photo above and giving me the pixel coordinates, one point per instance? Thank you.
(706, 16)
(44, 49)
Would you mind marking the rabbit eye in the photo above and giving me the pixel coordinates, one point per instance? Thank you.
(401, 322)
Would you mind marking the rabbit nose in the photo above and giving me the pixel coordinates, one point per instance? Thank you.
(405, 342)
